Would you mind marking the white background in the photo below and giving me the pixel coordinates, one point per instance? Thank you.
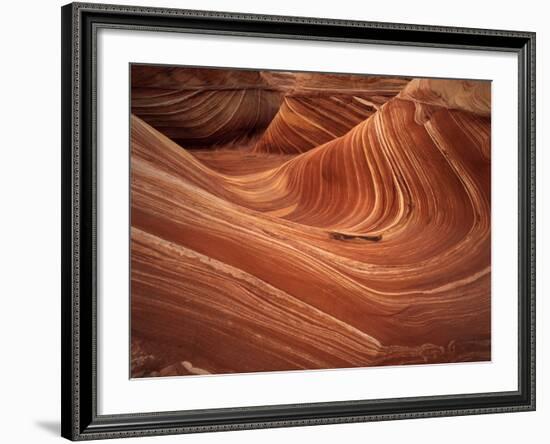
(30, 233)
(118, 394)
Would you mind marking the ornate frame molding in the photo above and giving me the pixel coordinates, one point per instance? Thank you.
(80, 22)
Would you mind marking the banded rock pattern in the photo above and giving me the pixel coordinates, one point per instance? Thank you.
(322, 107)
(204, 108)
(370, 248)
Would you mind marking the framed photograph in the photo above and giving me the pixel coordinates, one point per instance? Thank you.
(281, 221)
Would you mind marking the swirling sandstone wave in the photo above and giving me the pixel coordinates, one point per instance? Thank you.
(204, 107)
(372, 248)
(322, 107)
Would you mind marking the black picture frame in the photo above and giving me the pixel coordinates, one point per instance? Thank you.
(80, 22)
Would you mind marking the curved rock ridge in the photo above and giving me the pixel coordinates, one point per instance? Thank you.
(323, 107)
(464, 95)
(372, 248)
(204, 107)
(232, 303)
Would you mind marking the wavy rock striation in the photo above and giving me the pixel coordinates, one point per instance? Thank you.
(204, 107)
(322, 107)
(370, 248)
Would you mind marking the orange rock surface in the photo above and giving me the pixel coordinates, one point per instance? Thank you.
(311, 221)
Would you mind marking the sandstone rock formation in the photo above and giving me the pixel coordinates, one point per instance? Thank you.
(285, 221)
